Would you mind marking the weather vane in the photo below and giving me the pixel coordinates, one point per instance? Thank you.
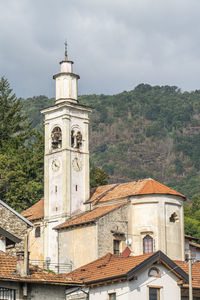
(66, 58)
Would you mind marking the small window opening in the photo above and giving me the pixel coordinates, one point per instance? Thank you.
(56, 188)
(116, 246)
(147, 244)
(37, 231)
(76, 187)
(154, 293)
(173, 218)
(72, 138)
(56, 138)
(112, 296)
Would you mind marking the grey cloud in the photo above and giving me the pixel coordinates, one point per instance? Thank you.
(115, 44)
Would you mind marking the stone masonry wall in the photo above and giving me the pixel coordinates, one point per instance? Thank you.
(114, 221)
(13, 224)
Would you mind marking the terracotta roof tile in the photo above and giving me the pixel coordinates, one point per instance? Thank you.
(91, 216)
(107, 266)
(110, 192)
(134, 188)
(195, 272)
(8, 271)
(34, 212)
(112, 265)
(194, 245)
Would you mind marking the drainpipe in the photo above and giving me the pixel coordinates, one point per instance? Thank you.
(190, 275)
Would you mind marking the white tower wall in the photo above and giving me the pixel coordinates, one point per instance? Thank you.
(66, 172)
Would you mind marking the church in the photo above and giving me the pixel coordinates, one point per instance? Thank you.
(73, 224)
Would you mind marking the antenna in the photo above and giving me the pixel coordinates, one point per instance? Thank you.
(66, 56)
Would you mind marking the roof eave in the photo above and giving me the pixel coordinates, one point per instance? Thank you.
(153, 258)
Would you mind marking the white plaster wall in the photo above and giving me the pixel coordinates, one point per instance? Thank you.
(138, 289)
(66, 87)
(66, 67)
(150, 214)
(3, 244)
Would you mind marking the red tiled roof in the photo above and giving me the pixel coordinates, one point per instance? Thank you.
(113, 265)
(134, 188)
(34, 212)
(195, 272)
(91, 216)
(110, 265)
(189, 237)
(194, 245)
(8, 271)
(111, 192)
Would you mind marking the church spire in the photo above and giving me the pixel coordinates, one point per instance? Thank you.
(66, 81)
(66, 54)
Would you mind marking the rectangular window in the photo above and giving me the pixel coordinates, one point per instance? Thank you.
(112, 296)
(116, 246)
(37, 231)
(154, 294)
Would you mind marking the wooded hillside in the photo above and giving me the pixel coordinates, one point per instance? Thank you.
(147, 132)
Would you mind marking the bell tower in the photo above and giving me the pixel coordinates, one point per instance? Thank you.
(66, 161)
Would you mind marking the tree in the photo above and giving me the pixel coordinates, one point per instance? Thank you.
(14, 127)
(21, 153)
(98, 177)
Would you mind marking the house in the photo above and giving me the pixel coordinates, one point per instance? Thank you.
(13, 227)
(152, 276)
(20, 281)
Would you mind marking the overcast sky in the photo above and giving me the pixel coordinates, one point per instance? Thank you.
(115, 44)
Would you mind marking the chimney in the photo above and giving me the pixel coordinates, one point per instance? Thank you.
(23, 259)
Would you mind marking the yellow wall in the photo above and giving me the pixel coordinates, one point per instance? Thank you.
(78, 246)
(36, 245)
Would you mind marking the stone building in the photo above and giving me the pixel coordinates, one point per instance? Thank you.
(72, 227)
(16, 227)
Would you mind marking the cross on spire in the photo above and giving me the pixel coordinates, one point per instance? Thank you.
(66, 56)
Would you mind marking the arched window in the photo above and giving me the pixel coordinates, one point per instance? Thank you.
(147, 244)
(76, 138)
(154, 272)
(37, 231)
(56, 138)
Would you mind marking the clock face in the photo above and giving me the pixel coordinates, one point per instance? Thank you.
(55, 165)
(77, 164)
